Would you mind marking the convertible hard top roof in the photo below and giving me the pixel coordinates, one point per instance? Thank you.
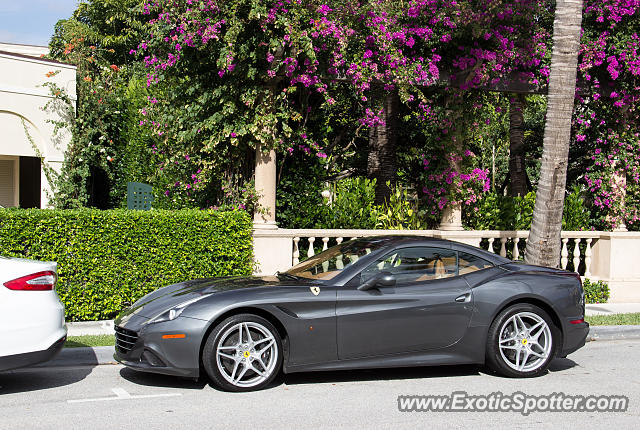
(409, 240)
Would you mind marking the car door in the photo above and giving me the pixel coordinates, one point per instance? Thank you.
(429, 307)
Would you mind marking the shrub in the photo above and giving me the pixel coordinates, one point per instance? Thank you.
(351, 206)
(575, 215)
(595, 292)
(498, 212)
(109, 259)
(299, 202)
(400, 212)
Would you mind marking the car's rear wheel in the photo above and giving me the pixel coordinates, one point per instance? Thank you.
(522, 341)
(243, 353)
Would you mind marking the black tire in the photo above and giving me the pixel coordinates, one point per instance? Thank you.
(220, 369)
(503, 360)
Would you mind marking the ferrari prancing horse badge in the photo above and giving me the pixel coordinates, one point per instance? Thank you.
(315, 290)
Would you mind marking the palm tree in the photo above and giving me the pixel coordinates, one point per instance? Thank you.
(517, 169)
(381, 161)
(543, 246)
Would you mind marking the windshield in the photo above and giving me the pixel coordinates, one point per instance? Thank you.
(333, 261)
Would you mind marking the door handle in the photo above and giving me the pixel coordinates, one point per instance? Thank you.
(464, 298)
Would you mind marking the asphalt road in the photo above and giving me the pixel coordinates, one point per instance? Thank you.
(112, 397)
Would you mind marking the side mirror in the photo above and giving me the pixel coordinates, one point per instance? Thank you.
(382, 279)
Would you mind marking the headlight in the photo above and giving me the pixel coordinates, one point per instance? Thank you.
(174, 312)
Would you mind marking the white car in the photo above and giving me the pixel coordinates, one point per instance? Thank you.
(32, 326)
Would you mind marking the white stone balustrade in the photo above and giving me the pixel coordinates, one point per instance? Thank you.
(609, 256)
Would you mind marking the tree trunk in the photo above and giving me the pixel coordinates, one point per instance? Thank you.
(381, 163)
(543, 246)
(517, 168)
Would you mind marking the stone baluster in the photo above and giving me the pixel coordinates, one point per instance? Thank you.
(503, 247)
(516, 251)
(587, 258)
(564, 255)
(296, 251)
(339, 262)
(325, 264)
(311, 252)
(491, 244)
(576, 255)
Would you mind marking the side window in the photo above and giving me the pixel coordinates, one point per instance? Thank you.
(415, 265)
(470, 263)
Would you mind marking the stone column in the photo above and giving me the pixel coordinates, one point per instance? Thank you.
(620, 181)
(265, 181)
(451, 218)
(452, 213)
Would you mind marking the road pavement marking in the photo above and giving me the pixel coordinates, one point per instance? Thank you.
(122, 394)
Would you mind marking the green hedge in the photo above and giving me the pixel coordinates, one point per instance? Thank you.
(595, 291)
(109, 259)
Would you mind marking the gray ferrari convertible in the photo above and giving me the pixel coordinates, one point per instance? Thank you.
(366, 303)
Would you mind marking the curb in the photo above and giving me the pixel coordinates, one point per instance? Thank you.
(84, 328)
(89, 356)
(613, 332)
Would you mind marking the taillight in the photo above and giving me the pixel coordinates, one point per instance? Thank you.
(41, 281)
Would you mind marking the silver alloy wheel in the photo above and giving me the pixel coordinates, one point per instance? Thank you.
(246, 354)
(525, 341)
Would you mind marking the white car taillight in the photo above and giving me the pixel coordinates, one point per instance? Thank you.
(41, 281)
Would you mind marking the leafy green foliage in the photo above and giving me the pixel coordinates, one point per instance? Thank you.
(107, 149)
(575, 216)
(299, 202)
(352, 205)
(400, 212)
(498, 212)
(595, 292)
(109, 259)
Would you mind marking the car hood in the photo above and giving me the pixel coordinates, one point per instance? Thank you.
(165, 298)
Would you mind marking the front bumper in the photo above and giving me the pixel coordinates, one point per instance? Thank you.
(30, 358)
(141, 346)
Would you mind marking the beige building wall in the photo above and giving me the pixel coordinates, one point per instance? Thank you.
(22, 98)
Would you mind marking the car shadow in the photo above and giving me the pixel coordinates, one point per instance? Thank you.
(560, 364)
(378, 374)
(40, 378)
(68, 367)
(557, 365)
(158, 380)
(333, 376)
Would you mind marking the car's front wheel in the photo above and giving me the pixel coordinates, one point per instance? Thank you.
(243, 353)
(521, 342)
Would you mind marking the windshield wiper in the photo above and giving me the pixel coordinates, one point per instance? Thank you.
(287, 275)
